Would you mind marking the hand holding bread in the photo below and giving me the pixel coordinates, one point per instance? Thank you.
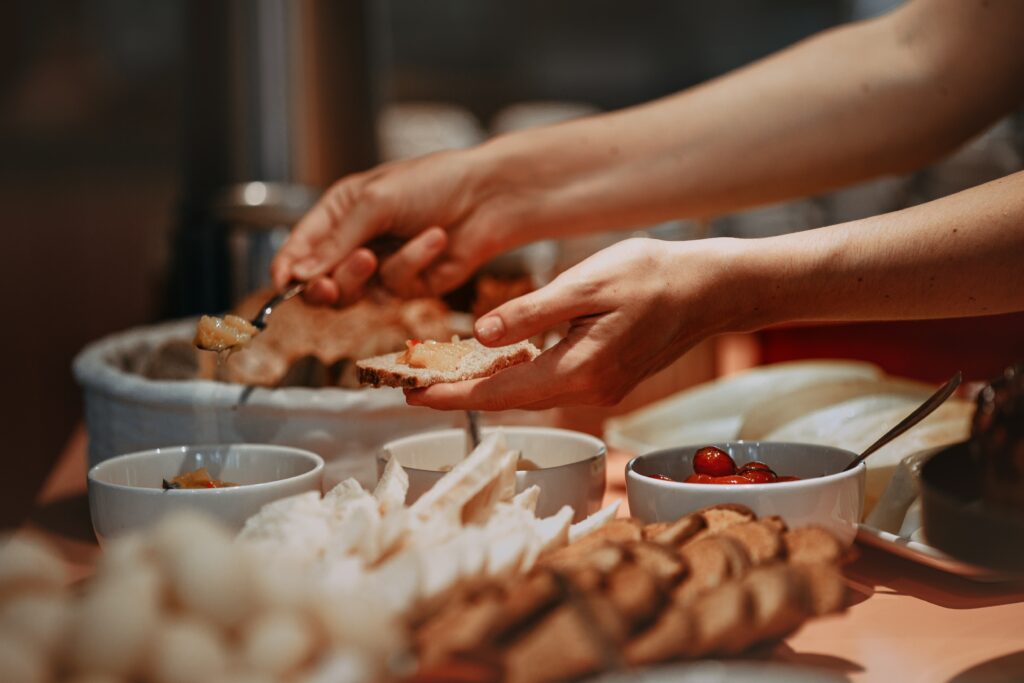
(632, 309)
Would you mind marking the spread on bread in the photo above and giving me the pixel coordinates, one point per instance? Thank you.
(425, 363)
(434, 355)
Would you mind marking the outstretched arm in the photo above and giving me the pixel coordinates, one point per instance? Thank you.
(640, 304)
(864, 99)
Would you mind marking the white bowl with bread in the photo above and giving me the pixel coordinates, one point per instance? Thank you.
(568, 466)
(823, 494)
(133, 491)
(142, 390)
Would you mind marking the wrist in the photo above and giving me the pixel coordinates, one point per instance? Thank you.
(744, 283)
(781, 278)
(553, 181)
(503, 191)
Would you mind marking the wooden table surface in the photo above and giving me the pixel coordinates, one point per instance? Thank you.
(907, 623)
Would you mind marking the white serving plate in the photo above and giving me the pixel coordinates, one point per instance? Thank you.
(922, 553)
(724, 672)
(714, 411)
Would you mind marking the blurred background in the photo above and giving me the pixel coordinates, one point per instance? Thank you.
(153, 154)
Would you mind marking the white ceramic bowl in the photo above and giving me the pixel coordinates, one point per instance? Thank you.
(824, 496)
(126, 412)
(125, 492)
(572, 464)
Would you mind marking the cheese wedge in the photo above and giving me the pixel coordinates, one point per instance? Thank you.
(593, 522)
(445, 500)
(392, 487)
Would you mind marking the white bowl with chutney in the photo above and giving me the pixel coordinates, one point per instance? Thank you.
(126, 493)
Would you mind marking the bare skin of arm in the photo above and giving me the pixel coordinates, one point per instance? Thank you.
(861, 100)
(866, 99)
(640, 304)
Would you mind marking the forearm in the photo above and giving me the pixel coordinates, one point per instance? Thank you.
(863, 100)
(956, 256)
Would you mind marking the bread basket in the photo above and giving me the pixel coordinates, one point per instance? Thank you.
(127, 412)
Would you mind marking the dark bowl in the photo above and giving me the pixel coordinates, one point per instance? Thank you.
(958, 522)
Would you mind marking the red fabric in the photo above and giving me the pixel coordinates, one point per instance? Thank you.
(928, 350)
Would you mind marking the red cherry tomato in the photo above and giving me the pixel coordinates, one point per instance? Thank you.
(731, 479)
(787, 478)
(700, 479)
(713, 461)
(755, 465)
(661, 476)
(758, 476)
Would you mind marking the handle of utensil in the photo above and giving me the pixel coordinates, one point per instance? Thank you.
(921, 412)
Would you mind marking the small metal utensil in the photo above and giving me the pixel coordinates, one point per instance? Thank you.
(473, 428)
(260, 321)
(921, 412)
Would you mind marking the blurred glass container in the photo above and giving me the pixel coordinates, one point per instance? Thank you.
(257, 217)
(411, 129)
(522, 115)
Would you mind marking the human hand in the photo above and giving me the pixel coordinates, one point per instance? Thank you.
(633, 309)
(446, 207)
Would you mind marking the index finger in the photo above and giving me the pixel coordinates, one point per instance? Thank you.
(301, 243)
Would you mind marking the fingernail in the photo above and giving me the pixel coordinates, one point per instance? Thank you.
(490, 328)
(361, 267)
(435, 240)
(307, 268)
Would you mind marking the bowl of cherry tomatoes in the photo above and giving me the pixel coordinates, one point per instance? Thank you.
(802, 483)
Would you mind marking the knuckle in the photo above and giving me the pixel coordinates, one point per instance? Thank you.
(336, 200)
(587, 289)
(375, 195)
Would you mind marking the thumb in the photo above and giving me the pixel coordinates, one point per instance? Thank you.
(531, 314)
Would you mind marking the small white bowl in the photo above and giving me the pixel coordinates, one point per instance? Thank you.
(125, 493)
(824, 495)
(571, 464)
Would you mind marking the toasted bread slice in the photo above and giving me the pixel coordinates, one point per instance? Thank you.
(477, 361)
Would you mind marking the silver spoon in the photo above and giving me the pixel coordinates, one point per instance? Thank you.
(921, 412)
(260, 321)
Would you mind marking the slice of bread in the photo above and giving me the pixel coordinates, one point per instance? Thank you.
(480, 361)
